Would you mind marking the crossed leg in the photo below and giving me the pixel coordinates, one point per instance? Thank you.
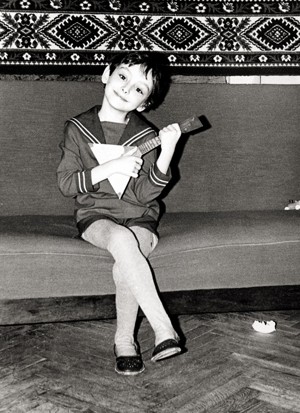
(133, 279)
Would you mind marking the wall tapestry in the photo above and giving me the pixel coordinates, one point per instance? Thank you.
(205, 36)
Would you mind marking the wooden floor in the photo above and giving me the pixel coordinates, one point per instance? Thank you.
(227, 368)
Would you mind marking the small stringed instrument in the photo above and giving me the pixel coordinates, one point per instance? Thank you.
(105, 152)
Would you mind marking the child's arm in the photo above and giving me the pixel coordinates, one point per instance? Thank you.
(129, 165)
(169, 137)
(155, 173)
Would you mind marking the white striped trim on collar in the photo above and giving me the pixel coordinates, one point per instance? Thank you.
(93, 138)
(84, 130)
(138, 136)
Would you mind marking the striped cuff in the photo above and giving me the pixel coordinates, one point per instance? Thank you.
(157, 177)
(84, 182)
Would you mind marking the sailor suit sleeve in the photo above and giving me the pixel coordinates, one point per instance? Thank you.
(72, 175)
(151, 181)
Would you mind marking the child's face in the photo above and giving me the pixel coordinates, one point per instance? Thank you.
(127, 88)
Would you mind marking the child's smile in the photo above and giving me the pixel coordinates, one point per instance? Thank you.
(121, 97)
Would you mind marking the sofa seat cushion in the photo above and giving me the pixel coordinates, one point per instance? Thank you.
(228, 250)
(42, 257)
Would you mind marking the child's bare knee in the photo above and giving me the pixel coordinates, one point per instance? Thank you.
(122, 238)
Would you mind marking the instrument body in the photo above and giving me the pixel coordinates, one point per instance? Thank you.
(106, 152)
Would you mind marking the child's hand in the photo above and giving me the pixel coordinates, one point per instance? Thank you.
(169, 136)
(128, 164)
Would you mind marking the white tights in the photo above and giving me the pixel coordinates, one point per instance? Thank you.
(133, 278)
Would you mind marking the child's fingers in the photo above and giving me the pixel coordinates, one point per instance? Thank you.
(170, 135)
(138, 160)
(129, 165)
(172, 127)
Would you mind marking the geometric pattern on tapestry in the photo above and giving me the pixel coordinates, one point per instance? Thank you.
(178, 33)
(274, 33)
(191, 33)
(77, 31)
(5, 30)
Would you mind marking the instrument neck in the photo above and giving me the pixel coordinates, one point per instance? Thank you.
(149, 145)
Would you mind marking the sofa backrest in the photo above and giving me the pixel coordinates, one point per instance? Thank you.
(249, 159)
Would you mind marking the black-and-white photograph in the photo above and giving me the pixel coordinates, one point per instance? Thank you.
(150, 206)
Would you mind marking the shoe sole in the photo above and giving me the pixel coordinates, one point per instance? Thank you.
(169, 352)
(129, 373)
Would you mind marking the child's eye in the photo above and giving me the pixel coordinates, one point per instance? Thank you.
(122, 76)
(139, 91)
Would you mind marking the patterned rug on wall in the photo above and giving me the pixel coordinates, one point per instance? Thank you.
(208, 36)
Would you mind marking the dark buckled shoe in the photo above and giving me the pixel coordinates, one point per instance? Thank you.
(166, 349)
(129, 365)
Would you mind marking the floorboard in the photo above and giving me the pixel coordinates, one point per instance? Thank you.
(226, 367)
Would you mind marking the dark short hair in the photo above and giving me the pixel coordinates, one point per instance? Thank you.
(149, 62)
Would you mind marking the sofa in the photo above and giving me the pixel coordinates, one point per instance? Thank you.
(226, 242)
